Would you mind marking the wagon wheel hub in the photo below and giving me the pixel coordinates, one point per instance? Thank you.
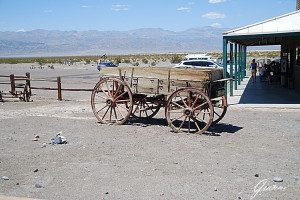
(188, 112)
(110, 102)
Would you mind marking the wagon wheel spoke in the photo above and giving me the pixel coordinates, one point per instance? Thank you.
(197, 97)
(178, 105)
(115, 113)
(177, 118)
(120, 112)
(121, 95)
(183, 102)
(196, 123)
(200, 105)
(123, 101)
(117, 92)
(101, 109)
(189, 125)
(182, 123)
(105, 113)
(176, 111)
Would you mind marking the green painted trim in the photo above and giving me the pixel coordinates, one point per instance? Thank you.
(225, 63)
(231, 70)
(235, 66)
(240, 64)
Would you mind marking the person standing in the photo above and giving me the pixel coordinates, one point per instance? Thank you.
(253, 67)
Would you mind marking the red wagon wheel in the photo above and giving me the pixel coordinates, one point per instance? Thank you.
(112, 101)
(220, 108)
(145, 109)
(189, 110)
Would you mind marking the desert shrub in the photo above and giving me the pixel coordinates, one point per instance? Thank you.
(176, 59)
(153, 63)
(50, 66)
(136, 64)
(118, 60)
(145, 61)
(126, 61)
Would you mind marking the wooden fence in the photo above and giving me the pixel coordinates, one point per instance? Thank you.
(23, 90)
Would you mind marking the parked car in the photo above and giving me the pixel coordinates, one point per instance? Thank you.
(200, 57)
(105, 64)
(205, 64)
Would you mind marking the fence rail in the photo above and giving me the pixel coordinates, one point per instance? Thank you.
(27, 87)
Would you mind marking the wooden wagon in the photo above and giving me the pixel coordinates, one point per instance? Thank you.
(193, 98)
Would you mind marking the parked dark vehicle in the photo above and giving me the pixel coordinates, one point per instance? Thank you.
(105, 64)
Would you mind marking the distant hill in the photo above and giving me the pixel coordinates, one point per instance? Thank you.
(146, 40)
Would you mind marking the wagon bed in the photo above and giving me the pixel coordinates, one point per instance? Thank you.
(191, 97)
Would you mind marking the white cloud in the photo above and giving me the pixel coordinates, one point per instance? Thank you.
(187, 9)
(85, 6)
(216, 1)
(214, 15)
(216, 25)
(119, 7)
(48, 11)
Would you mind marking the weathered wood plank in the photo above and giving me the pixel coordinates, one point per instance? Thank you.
(161, 80)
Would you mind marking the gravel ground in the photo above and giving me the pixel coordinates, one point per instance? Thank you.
(237, 158)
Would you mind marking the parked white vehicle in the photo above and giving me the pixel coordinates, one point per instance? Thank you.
(205, 64)
(200, 57)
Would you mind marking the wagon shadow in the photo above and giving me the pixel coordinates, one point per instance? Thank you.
(214, 130)
(147, 121)
(221, 128)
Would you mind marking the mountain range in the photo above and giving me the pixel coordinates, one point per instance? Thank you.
(146, 40)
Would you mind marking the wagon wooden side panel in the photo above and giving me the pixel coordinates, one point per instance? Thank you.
(160, 80)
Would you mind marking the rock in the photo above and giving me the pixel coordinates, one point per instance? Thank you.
(59, 139)
(17, 183)
(277, 179)
(215, 189)
(256, 175)
(161, 194)
(106, 193)
(35, 139)
(36, 170)
(38, 185)
(36, 136)
(5, 178)
(43, 145)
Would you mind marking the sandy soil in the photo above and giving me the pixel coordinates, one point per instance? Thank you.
(237, 158)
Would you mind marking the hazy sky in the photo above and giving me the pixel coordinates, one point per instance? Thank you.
(176, 15)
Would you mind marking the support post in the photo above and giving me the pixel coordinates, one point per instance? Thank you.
(12, 84)
(59, 95)
(239, 66)
(235, 66)
(231, 70)
(225, 63)
(245, 61)
(28, 82)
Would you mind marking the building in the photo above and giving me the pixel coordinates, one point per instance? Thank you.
(282, 30)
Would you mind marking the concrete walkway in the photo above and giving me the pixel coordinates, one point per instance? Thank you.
(264, 95)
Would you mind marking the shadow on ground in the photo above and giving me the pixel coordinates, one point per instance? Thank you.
(214, 130)
(262, 92)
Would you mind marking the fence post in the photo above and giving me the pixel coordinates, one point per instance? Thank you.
(59, 95)
(28, 82)
(12, 84)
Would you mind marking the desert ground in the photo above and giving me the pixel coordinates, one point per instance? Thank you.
(253, 153)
